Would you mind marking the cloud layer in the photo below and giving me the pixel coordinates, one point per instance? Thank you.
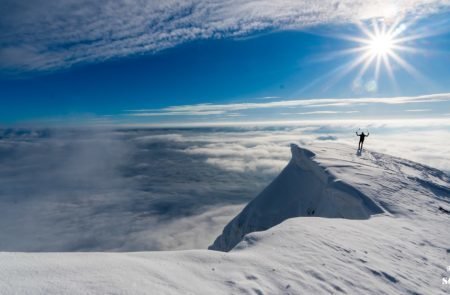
(330, 108)
(160, 189)
(59, 34)
(320, 102)
(66, 190)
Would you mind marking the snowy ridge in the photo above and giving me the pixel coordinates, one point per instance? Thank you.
(303, 188)
(403, 251)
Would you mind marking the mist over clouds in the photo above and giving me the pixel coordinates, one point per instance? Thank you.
(72, 190)
(159, 189)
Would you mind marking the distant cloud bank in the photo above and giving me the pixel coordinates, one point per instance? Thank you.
(302, 107)
(49, 35)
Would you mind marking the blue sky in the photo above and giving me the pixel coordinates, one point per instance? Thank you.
(56, 74)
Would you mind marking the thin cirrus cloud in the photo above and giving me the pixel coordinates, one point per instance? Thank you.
(418, 110)
(327, 112)
(321, 113)
(193, 113)
(217, 109)
(58, 34)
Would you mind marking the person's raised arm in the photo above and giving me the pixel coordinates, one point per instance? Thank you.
(357, 133)
(368, 134)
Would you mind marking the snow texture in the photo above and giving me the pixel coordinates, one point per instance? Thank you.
(302, 189)
(393, 239)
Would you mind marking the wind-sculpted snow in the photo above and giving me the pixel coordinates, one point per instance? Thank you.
(339, 183)
(303, 188)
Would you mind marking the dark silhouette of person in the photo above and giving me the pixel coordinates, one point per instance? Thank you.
(361, 139)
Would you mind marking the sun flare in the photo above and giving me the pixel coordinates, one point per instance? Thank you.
(381, 45)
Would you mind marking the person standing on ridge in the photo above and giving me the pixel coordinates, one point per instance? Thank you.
(361, 139)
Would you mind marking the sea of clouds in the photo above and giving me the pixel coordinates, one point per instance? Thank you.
(159, 189)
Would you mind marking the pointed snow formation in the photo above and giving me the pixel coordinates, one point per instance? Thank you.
(303, 188)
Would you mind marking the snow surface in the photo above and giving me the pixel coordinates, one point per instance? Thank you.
(393, 239)
(303, 188)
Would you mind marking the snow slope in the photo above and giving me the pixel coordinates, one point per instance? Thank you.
(393, 239)
(303, 188)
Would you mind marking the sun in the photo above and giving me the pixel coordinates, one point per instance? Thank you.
(381, 45)
(378, 49)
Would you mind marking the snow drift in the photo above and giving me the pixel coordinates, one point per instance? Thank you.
(303, 188)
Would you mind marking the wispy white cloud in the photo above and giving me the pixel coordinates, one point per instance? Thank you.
(418, 110)
(235, 115)
(327, 112)
(299, 122)
(320, 113)
(313, 113)
(270, 97)
(187, 113)
(55, 34)
(215, 109)
(334, 104)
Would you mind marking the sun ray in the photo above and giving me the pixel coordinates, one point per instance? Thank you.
(345, 69)
(365, 66)
(380, 45)
(377, 67)
(389, 70)
(384, 44)
(406, 66)
(396, 28)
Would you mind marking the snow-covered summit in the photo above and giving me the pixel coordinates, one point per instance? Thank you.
(393, 239)
(303, 188)
(338, 181)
